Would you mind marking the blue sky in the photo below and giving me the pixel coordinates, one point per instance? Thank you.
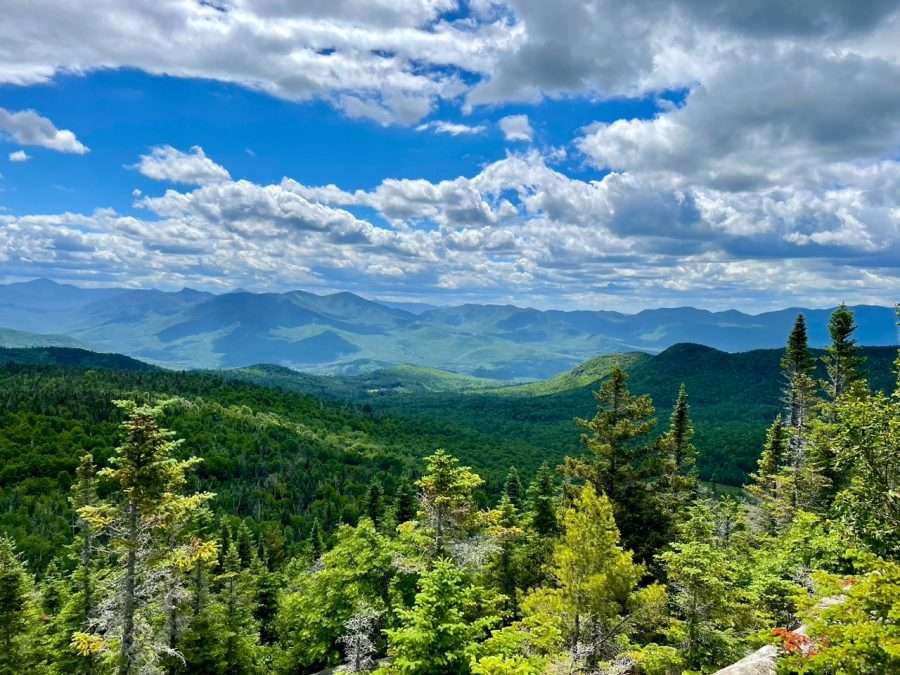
(591, 154)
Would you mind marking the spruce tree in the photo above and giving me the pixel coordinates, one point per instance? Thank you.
(512, 488)
(374, 502)
(596, 602)
(434, 635)
(447, 499)
(680, 433)
(146, 517)
(19, 626)
(621, 419)
(405, 502)
(842, 360)
(245, 545)
(798, 367)
(316, 540)
(541, 502)
(768, 484)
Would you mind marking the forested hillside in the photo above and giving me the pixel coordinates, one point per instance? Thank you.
(160, 522)
(734, 398)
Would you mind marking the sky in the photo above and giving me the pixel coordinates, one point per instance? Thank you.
(592, 154)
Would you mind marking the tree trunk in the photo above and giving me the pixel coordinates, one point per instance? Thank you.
(125, 653)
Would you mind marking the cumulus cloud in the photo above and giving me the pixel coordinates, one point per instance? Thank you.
(774, 174)
(191, 168)
(19, 156)
(452, 128)
(26, 127)
(516, 128)
(517, 228)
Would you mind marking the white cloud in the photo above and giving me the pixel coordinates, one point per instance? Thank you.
(19, 156)
(388, 60)
(452, 128)
(516, 128)
(26, 127)
(191, 168)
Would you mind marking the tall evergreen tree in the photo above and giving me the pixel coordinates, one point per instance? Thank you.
(798, 367)
(145, 517)
(374, 502)
(447, 498)
(595, 603)
(770, 484)
(19, 626)
(245, 547)
(842, 359)
(435, 633)
(610, 436)
(316, 540)
(541, 502)
(405, 502)
(512, 488)
(680, 434)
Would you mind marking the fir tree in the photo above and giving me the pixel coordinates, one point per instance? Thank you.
(769, 484)
(316, 541)
(680, 433)
(374, 502)
(621, 419)
(434, 635)
(842, 360)
(245, 545)
(405, 502)
(446, 505)
(145, 517)
(19, 626)
(541, 503)
(798, 367)
(512, 488)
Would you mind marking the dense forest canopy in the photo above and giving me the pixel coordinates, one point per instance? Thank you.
(161, 522)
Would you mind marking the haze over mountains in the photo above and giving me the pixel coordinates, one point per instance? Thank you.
(344, 333)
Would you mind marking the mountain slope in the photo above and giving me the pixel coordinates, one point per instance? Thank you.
(733, 397)
(71, 358)
(17, 338)
(344, 333)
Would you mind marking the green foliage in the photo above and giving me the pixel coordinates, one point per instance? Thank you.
(714, 613)
(355, 573)
(434, 635)
(866, 446)
(446, 505)
(855, 627)
(20, 628)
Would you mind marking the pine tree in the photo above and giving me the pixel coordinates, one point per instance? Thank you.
(146, 518)
(404, 502)
(513, 487)
(374, 502)
(245, 546)
(434, 634)
(621, 419)
(541, 503)
(447, 502)
(842, 360)
(316, 540)
(798, 367)
(19, 626)
(680, 433)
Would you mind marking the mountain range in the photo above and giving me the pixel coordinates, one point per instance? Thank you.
(343, 333)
